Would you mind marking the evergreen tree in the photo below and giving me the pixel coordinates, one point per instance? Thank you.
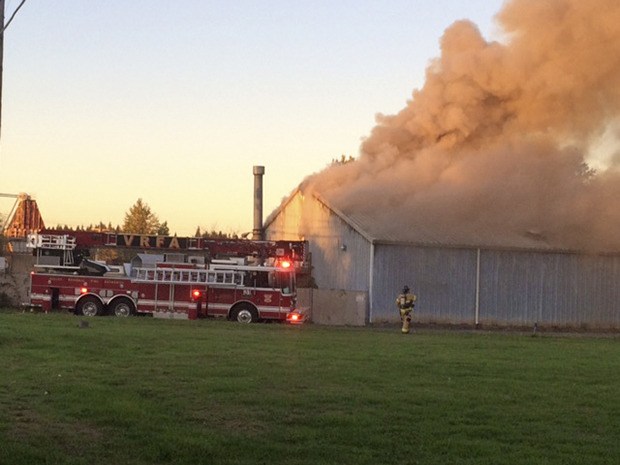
(141, 220)
(343, 160)
(163, 229)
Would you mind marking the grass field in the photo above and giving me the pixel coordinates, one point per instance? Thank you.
(145, 391)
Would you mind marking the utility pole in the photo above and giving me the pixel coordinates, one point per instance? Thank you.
(3, 27)
(1, 58)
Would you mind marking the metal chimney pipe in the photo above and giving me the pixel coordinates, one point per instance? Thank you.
(258, 233)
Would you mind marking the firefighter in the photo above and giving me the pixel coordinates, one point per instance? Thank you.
(405, 303)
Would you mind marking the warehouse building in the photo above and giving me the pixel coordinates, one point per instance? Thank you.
(472, 278)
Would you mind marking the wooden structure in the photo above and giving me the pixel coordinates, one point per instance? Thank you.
(25, 217)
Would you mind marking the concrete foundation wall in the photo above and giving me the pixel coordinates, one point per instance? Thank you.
(338, 307)
(304, 300)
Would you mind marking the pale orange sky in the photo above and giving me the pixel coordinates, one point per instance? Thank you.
(174, 102)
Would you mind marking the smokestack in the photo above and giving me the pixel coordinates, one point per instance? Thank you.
(258, 233)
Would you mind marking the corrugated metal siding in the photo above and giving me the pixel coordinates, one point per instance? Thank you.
(516, 288)
(286, 224)
(340, 256)
(443, 279)
(554, 289)
(334, 267)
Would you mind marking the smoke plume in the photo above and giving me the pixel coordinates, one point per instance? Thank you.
(497, 141)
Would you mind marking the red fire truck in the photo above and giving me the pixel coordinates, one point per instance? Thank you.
(229, 288)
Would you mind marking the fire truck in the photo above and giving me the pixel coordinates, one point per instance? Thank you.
(245, 281)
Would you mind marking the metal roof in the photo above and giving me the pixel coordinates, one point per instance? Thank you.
(423, 233)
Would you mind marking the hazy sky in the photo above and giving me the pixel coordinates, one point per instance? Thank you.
(175, 101)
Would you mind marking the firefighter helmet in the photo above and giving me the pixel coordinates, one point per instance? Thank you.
(405, 289)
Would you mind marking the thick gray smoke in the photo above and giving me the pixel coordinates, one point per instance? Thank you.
(497, 140)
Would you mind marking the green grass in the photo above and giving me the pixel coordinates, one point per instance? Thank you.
(145, 391)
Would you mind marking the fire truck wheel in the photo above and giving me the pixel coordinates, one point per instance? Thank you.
(122, 308)
(245, 314)
(89, 306)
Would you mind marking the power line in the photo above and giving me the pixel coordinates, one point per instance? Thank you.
(4, 26)
(13, 15)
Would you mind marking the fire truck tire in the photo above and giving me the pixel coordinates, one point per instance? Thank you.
(245, 314)
(89, 306)
(122, 308)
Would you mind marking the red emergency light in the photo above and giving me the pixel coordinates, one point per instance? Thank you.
(196, 294)
(295, 318)
(84, 290)
(285, 264)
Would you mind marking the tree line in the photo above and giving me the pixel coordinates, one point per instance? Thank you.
(140, 219)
